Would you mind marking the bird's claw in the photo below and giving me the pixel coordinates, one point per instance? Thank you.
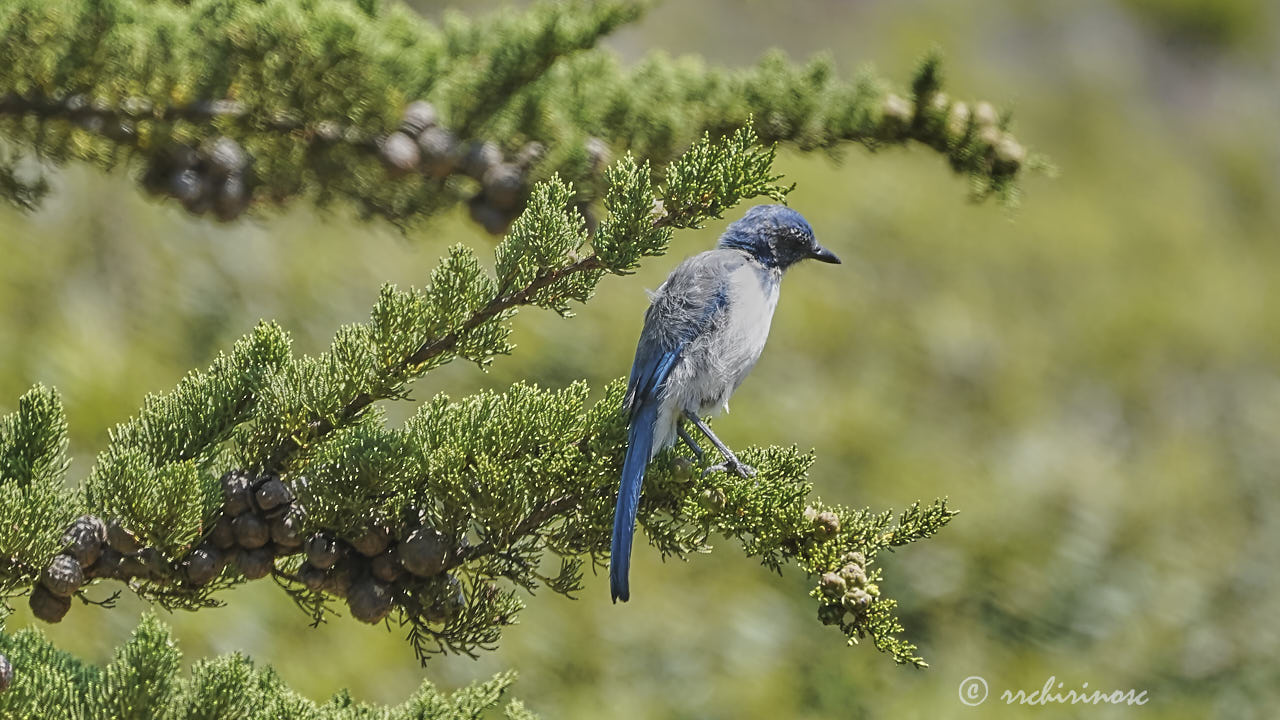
(738, 467)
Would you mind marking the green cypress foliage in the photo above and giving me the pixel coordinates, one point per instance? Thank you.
(316, 99)
(144, 682)
(160, 468)
(142, 676)
(35, 505)
(269, 464)
(463, 503)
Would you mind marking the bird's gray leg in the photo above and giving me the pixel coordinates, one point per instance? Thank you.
(684, 435)
(731, 461)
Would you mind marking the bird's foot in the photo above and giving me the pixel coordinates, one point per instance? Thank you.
(734, 465)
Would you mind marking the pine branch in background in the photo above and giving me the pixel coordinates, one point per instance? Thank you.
(23, 190)
(144, 682)
(272, 465)
(227, 105)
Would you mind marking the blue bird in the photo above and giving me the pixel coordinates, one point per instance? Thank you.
(703, 332)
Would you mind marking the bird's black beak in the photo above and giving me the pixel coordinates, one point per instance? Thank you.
(825, 255)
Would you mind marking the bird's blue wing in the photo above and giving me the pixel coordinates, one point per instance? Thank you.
(648, 373)
(639, 445)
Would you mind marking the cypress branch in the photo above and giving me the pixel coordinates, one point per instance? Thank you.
(144, 682)
(158, 469)
(541, 256)
(35, 505)
(272, 465)
(318, 99)
(268, 464)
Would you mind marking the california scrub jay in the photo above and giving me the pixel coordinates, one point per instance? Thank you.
(703, 332)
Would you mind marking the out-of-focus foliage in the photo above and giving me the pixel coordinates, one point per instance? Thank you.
(1218, 24)
(1092, 378)
(143, 680)
(225, 105)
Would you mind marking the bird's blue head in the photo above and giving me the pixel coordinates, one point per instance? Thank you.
(777, 236)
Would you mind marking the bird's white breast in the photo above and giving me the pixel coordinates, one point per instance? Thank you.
(714, 364)
(753, 296)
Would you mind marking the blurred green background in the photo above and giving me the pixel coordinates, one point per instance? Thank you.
(1092, 379)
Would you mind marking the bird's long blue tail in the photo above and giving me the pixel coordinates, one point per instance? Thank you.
(639, 447)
